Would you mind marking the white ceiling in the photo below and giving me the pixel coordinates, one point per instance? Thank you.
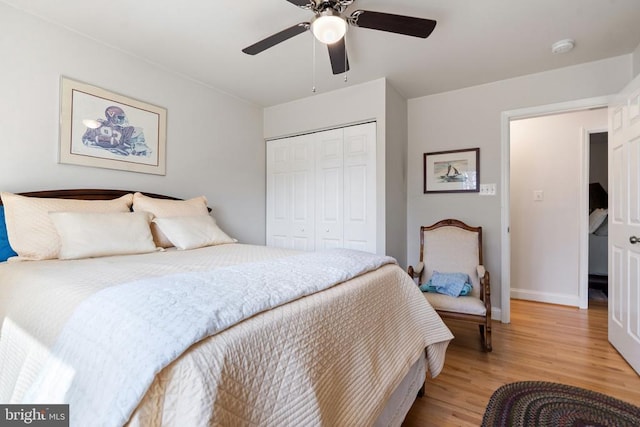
(475, 41)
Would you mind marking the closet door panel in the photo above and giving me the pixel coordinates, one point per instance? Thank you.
(360, 187)
(329, 208)
(321, 190)
(290, 193)
(278, 194)
(329, 189)
(355, 215)
(303, 193)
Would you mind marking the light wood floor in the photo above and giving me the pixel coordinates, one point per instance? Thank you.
(543, 342)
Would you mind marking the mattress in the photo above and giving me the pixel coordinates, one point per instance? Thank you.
(304, 363)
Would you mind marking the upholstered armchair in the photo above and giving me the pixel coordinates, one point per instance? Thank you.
(451, 246)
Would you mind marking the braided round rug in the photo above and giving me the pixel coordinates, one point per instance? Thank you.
(538, 403)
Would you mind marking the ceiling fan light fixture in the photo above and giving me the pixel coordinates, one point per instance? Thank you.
(329, 27)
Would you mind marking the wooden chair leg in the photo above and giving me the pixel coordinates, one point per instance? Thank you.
(485, 337)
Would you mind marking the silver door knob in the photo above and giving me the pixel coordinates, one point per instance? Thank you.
(633, 240)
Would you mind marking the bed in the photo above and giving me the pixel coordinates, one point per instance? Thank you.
(219, 334)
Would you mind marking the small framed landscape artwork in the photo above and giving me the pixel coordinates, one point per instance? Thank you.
(103, 129)
(454, 171)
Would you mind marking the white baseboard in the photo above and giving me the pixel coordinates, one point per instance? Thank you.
(496, 313)
(551, 298)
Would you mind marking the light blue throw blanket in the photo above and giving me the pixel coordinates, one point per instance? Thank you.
(118, 339)
(452, 284)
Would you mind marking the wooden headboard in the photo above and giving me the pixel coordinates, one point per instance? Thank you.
(88, 194)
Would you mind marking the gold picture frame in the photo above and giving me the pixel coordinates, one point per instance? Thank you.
(103, 129)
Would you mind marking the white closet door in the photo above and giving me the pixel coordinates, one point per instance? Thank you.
(302, 193)
(321, 190)
(278, 183)
(290, 193)
(329, 189)
(360, 187)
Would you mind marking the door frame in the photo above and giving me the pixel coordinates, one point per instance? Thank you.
(583, 273)
(505, 176)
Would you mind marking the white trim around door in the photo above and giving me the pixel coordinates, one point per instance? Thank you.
(505, 119)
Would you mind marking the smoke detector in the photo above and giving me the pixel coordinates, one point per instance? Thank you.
(562, 46)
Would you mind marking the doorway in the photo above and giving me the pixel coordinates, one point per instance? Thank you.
(582, 267)
(548, 182)
(598, 282)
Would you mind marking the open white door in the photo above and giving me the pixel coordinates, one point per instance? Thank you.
(624, 223)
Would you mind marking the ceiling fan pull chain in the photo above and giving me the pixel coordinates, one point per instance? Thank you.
(345, 59)
(313, 71)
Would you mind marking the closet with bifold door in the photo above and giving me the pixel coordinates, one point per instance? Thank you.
(321, 189)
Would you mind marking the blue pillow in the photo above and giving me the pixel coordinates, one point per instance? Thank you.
(5, 247)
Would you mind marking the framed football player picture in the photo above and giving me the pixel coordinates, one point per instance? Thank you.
(104, 129)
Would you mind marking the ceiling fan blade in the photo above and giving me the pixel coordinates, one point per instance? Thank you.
(400, 24)
(301, 3)
(338, 56)
(276, 38)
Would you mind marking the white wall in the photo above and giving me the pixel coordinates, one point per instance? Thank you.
(546, 156)
(471, 118)
(214, 141)
(396, 182)
(352, 104)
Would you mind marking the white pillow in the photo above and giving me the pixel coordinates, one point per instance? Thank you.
(596, 218)
(190, 232)
(30, 230)
(87, 235)
(162, 208)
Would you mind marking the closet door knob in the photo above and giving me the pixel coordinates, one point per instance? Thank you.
(633, 240)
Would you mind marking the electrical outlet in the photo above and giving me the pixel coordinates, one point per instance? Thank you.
(538, 195)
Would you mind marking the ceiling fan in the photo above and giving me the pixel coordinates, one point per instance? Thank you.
(329, 26)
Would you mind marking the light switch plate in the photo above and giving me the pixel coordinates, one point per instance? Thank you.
(487, 189)
(538, 195)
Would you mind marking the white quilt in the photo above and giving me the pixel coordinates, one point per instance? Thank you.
(153, 330)
(305, 362)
